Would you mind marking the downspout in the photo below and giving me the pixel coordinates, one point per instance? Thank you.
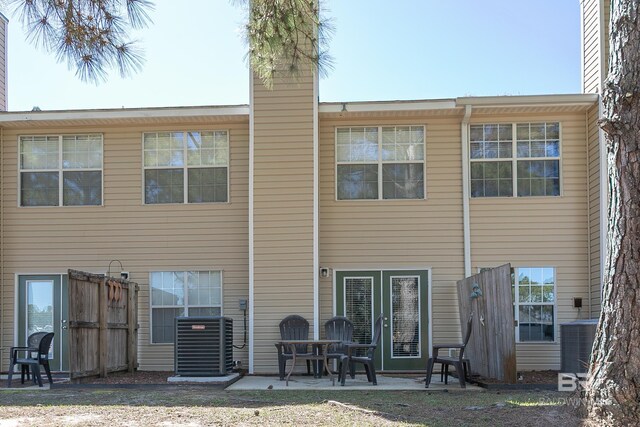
(604, 167)
(586, 132)
(466, 227)
(251, 244)
(316, 204)
(604, 200)
(316, 216)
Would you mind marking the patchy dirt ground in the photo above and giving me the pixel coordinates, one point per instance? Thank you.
(527, 377)
(195, 406)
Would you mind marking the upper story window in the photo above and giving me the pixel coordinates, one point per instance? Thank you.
(515, 159)
(384, 162)
(60, 170)
(186, 167)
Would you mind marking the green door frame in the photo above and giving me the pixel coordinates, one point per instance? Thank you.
(60, 313)
(382, 304)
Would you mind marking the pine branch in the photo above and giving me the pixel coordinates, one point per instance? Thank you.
(91, 36)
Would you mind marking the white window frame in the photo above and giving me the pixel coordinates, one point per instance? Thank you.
(60, 170)
(185, 167)
(517, 304)
(186, 305)
(514, 158)
(379, 162)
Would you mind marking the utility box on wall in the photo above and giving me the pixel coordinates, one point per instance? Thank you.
(204, 346)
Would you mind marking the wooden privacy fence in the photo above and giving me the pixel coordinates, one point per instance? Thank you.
(491, 349)
(103, 324)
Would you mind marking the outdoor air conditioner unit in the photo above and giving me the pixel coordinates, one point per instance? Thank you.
(576, 340)
(204, 346)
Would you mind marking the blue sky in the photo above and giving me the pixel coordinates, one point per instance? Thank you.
(414, 49)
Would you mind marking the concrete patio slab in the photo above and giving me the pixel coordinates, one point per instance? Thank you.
(385, 382)
(208, 380)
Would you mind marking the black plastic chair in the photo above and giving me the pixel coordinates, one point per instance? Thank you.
(367, 359)
(338, 328)
(38, 343)
(292, 327)
(462, 365)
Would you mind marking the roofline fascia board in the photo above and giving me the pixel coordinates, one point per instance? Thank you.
(587, 99)
(28, 116)
(365, 107)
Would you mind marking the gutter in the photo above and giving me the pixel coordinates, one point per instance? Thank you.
(466, 226)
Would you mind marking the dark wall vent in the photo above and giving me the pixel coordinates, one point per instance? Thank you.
(204, 346)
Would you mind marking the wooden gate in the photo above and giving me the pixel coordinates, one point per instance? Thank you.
(491, 348)
(103, 324)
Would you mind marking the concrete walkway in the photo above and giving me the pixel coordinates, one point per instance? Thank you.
(385, 382)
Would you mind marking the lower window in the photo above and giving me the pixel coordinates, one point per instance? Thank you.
(534, 292)
(182, 293)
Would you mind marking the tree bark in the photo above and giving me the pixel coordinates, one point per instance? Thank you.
(613, 388)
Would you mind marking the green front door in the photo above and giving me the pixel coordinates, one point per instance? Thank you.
(42, 307)
(402, 296)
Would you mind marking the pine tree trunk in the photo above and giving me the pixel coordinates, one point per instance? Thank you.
(613, 388)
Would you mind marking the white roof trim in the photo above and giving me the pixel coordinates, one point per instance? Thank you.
(360, 107)
(142, 113)
(528, 101)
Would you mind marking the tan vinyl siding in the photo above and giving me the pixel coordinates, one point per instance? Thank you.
(144, 238)
(594, 210)
(541, 232)
(283, 211)
(388, 234)
(591, 45)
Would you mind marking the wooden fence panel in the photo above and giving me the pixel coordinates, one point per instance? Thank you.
(103, 325)
(491, 348)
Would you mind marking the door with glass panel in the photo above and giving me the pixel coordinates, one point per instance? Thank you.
(43, 307)
(403, 298)
(406, 332)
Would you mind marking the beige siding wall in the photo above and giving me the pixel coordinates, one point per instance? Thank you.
(591, 47)
(595, 270)
(595, 43)
(541, 232)
(283, 211)
(144, 237)
(384, 234)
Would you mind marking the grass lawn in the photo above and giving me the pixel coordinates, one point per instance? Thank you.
(194, 406)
